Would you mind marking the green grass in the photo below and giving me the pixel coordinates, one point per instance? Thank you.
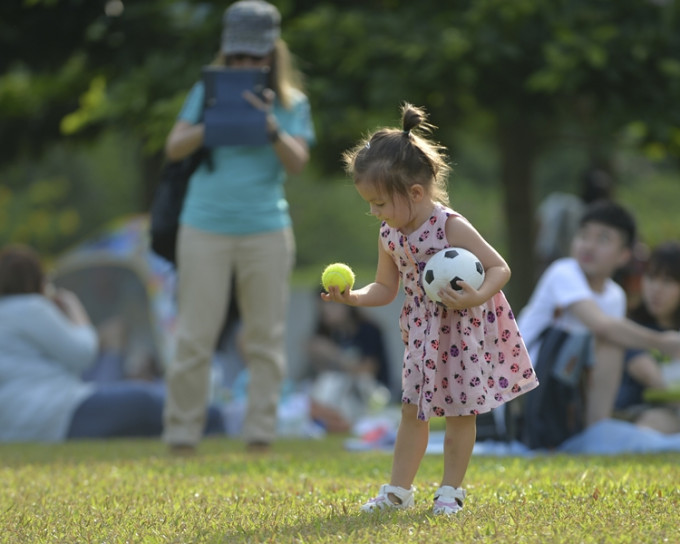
(310, 491)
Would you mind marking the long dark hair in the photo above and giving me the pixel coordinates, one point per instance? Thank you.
(664, 261)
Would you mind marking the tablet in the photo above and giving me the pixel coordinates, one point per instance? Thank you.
(228, 117)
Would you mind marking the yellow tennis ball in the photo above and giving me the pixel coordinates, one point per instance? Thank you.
(337, 275)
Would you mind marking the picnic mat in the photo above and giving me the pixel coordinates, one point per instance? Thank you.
(607, 437)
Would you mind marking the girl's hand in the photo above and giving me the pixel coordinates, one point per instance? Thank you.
(466, 297)
(346, 297)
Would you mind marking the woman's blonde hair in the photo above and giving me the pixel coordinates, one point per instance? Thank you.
(395, 159)
(284, 77)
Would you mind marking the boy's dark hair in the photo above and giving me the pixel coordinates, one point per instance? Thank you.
(613, 215)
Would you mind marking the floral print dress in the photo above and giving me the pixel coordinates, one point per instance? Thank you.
(456, 362)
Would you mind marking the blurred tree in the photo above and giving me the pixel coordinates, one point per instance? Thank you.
(533, 66)
(527, 67)
(76, 67)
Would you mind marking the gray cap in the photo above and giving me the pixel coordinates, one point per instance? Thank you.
(250, 27)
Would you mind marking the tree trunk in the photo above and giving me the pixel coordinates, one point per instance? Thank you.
(518, 143)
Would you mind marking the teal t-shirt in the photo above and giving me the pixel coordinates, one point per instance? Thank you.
(243, 193)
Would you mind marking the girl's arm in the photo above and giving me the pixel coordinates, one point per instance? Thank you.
(460, 233)
(646, 371)
(379, 293)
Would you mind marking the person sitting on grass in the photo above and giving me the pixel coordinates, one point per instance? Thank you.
(346, 351)
(659, 309)
(46, 342)
(576, 315)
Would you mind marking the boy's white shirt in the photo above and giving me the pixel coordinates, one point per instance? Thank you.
(561, 285)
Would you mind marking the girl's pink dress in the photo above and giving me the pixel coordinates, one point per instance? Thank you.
(456, 362)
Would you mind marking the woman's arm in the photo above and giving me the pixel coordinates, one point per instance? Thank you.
(183, 140)
(71, 306)
(293, 152)
(325, 354)
(68, 340)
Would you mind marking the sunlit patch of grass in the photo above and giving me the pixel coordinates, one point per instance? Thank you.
(310, 491)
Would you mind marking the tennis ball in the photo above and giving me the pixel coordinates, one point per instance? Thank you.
(337, 275)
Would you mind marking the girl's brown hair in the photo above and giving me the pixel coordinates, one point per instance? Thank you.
(20, 271)
(395, 159)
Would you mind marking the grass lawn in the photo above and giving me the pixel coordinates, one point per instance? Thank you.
(310, 490)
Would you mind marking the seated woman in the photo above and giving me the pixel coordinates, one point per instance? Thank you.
(47, 343)
(659, 309)
(348, 363)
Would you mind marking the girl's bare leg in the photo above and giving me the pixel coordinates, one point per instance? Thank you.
(409, 448)
(461, 433)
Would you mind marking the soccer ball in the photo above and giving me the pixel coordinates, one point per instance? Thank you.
(447, 267)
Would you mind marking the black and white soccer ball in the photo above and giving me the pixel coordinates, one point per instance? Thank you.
(447, 267)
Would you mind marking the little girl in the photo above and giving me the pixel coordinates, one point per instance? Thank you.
(462, 357)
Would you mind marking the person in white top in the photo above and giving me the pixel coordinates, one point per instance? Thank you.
(577, 295)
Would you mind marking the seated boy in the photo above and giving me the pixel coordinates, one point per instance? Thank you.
(577, 315)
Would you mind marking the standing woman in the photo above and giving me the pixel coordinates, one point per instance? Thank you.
(235, 222)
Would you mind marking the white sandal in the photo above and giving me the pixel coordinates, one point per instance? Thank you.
(448, 500)
(383, 501)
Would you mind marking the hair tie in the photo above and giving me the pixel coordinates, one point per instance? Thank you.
(368, 145)
(406, 133)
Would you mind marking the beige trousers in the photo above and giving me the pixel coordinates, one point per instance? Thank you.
(262, 264)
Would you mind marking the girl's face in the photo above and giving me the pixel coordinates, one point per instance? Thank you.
(394, 210)
(661, 296)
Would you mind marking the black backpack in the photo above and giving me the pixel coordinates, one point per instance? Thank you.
(554, 411)
(168, 200)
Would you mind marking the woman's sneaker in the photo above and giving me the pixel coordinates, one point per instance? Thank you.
(448, 500)
(404, 498)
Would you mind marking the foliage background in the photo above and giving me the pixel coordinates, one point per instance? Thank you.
(527, 94)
